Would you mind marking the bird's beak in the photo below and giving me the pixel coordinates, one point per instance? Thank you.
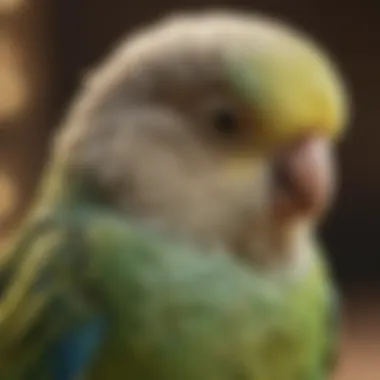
(304, 178)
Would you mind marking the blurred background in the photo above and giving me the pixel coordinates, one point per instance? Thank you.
(47, 46)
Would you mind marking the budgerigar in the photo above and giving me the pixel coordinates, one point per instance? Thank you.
(174, 234)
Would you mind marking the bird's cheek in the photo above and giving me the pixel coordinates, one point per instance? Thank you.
(242, 169)
(304, 179)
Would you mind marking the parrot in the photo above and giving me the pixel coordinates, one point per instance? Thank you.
(174, 232)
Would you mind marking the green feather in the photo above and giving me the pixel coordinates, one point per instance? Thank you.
(180, 313)
(174, 312)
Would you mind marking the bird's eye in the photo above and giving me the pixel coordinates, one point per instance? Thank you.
(225, 121)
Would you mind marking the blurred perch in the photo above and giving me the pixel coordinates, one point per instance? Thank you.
(25, 103)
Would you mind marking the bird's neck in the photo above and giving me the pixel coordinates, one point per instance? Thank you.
(284, 250)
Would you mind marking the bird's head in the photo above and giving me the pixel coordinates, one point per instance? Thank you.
(218, 128)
